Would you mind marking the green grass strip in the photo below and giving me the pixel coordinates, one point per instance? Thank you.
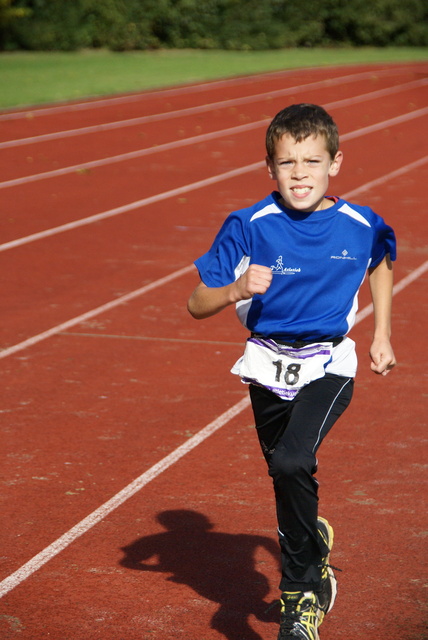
(31, 78)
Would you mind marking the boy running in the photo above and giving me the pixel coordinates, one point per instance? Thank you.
(293, 264)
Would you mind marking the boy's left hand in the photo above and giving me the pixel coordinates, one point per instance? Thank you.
(382, 355)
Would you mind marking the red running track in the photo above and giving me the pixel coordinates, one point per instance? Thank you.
(124, 516)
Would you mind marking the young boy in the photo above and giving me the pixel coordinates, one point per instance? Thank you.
(293, 264)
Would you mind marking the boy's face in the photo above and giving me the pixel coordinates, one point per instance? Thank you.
(302, 171)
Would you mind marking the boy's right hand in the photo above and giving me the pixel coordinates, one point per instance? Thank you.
(207, 301)
(257, 279)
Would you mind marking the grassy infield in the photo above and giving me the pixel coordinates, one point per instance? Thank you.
(35, 78)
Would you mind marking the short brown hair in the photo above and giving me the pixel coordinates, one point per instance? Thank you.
(301, 121)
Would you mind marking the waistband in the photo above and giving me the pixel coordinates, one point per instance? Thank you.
(298, 344)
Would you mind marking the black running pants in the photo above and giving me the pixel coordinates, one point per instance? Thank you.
(290, 434)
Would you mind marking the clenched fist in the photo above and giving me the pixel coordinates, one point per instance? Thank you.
(257, 279)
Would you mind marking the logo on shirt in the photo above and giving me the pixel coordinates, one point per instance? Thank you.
(345, 256)
(280, 269)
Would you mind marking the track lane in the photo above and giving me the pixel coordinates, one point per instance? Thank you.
(168, 101)
(122, 257)
(104, 188)
(102, 424)
(257, 101)
(53, 156)
(52, 162)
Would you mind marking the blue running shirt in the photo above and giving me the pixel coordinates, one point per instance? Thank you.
(318, 260)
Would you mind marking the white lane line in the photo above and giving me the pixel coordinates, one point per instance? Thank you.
(195, 185)
(95, 312)
(139, 483)
(223, 104)
(99, 514)
(95, 103)
(388, 123)
(139, 153)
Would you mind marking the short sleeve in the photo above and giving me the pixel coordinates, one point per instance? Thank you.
(384, 242)
(218, 267)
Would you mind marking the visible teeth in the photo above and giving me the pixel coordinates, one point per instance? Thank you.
(301, 189)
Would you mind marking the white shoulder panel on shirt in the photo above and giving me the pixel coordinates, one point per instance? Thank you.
(345, 208)
(270, 208)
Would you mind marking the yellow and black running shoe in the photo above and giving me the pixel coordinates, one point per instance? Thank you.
(327, 594)
(300, 613)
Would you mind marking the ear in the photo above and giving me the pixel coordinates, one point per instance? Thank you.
(336, 164)
(271, 168)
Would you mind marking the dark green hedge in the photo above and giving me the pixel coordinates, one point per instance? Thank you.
(226, 24)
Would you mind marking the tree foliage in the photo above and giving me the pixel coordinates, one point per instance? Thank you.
(227, 24)
(8, 13)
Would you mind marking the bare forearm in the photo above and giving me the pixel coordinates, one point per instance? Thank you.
(381, 352)
(381, 282)
(207, 301)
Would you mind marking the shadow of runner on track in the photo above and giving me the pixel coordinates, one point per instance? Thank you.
(218, 566)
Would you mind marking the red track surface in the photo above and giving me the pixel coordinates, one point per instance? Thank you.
(192, 553)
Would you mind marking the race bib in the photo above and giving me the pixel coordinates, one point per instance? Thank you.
(282, 369)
